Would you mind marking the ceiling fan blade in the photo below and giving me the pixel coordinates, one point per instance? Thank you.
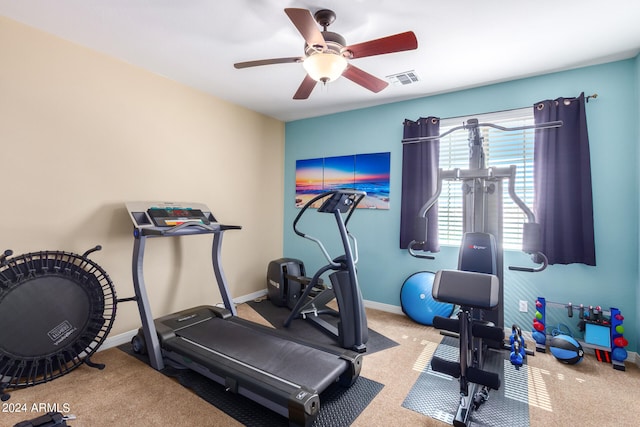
(260, 62)
(364, 79)
(396, 43)
(307, 26)
(305, 88)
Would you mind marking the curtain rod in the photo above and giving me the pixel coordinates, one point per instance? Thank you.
(587, 98)
(546, 125)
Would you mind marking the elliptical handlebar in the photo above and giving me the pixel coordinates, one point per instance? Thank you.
(337, 202)
(303, 210)
(355, 247)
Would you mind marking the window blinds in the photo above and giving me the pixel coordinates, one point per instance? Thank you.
(502, 148)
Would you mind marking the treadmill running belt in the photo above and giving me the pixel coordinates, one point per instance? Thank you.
(288, 360)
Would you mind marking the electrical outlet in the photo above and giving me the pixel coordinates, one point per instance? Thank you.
(523, 307)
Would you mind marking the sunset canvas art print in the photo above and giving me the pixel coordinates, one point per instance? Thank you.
(364, 172)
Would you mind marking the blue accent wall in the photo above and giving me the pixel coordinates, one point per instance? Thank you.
(637, 95)
(614, 137)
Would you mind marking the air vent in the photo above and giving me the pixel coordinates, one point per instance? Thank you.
(404, 78)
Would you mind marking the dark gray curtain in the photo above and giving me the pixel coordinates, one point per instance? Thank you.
(562, 179)
(419, 180)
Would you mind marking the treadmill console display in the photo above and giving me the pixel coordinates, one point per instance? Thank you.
(170, 216)
(161, 217)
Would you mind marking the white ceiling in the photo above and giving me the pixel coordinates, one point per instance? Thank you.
(461, 43)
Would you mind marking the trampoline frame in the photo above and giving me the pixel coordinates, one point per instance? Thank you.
(20, 371)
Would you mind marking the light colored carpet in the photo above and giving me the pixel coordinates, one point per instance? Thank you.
(129, 393)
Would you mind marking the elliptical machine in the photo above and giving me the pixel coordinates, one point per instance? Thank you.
(307, 297)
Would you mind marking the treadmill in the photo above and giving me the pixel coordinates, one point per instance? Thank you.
(279, 372)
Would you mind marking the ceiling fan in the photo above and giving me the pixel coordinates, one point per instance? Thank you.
(327, 54)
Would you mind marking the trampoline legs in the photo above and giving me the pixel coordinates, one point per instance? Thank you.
(88, 362)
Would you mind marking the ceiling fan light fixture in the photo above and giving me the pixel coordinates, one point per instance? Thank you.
(325, 67)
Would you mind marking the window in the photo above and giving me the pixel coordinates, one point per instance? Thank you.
(502, 148)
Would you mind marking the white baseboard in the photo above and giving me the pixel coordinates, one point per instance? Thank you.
(383, 307)
(250, 297)
(117, 340)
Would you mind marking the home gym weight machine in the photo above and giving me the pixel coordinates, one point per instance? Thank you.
(307, 297)
(279, 372)
(480, 322)
(482, 189)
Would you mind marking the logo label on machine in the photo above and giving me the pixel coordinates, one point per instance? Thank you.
(189, 317)
(477, 247)
(61, 332)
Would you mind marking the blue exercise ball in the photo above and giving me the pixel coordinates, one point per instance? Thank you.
(417, 302)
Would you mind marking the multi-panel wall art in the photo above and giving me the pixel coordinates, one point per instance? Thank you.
(365, 172)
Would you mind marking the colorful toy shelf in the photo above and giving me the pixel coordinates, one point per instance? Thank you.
(603, 330)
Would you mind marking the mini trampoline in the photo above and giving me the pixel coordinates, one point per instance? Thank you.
(56, 309)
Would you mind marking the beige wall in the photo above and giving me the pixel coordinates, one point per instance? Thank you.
(81, 133)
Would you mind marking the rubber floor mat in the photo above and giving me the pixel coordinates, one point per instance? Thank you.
(437, 395)
(305, 330)
(339, 406)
